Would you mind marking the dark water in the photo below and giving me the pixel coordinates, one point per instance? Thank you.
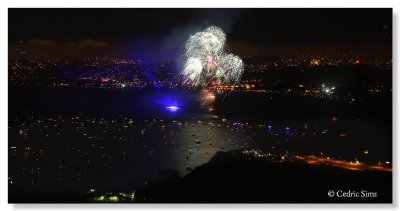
(106, 103)
(124, 137)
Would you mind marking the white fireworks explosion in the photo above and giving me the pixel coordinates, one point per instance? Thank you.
(207, 62)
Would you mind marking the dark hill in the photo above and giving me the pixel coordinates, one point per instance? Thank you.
(231, 177)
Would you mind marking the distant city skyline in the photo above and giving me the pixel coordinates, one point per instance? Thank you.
(131, 33)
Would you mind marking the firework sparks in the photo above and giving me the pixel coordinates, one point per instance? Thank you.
(207, 61)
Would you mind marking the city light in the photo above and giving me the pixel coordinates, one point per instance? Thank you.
(100, 198)
(315, 62)
(328, 90)
(113, 198)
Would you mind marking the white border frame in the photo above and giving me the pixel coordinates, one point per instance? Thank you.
(5, 4)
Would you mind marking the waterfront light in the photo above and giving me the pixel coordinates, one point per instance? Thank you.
(172, 108)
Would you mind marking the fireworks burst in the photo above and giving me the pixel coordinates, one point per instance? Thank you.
(207, 62)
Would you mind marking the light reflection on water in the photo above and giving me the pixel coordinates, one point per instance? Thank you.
(190, 136)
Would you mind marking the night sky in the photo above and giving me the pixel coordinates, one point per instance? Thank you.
(129, 32)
